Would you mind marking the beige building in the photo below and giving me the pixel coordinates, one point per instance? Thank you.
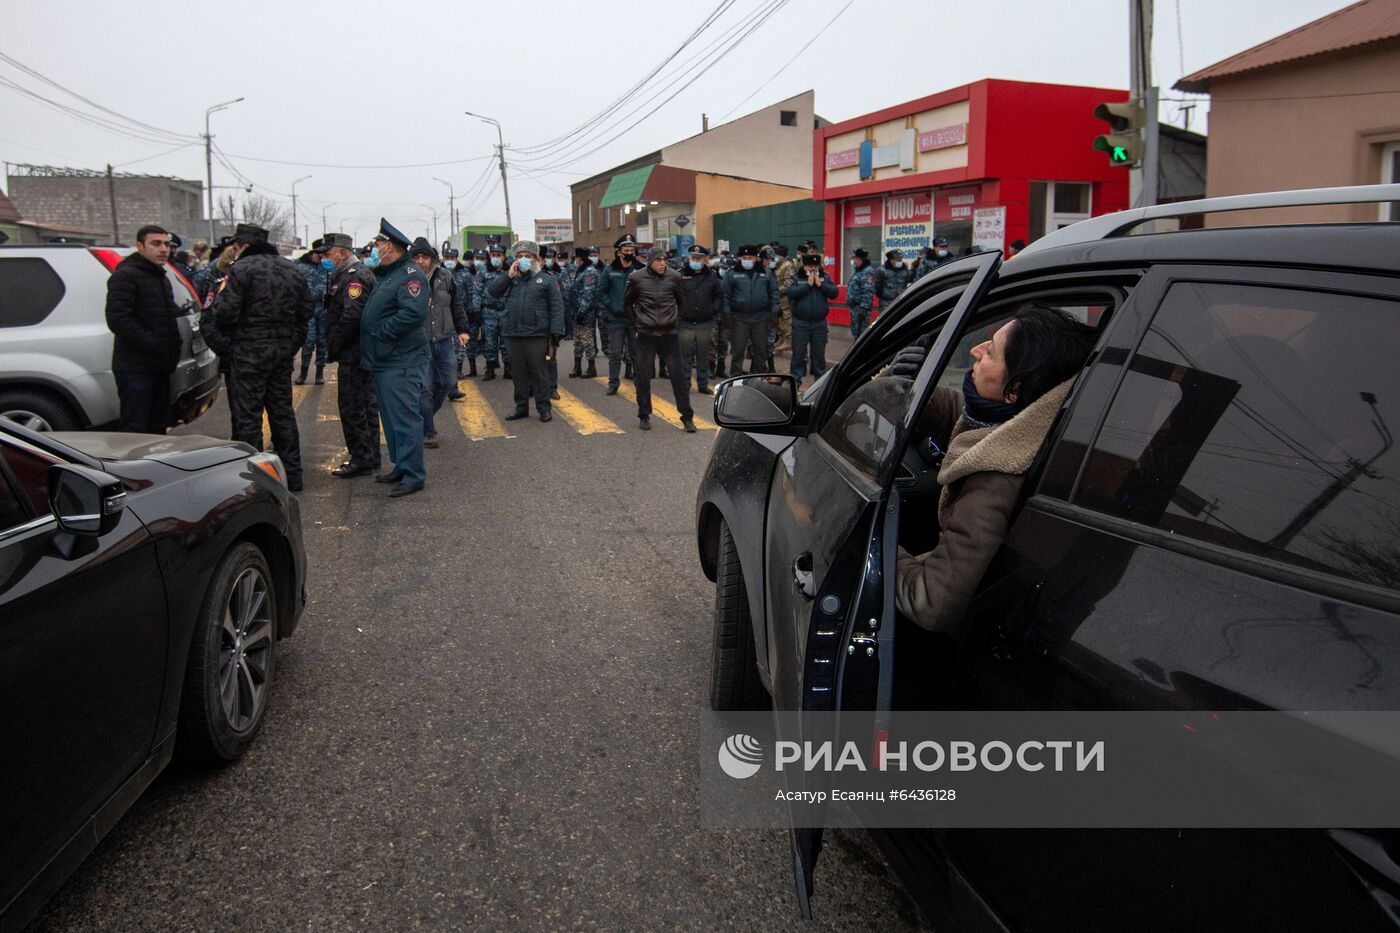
(670, 196)
(1315, 107)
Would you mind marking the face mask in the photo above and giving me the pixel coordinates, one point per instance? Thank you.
(628, 257)
(898, 263)
(496, 262)
(524, 264)
(696, 265)
(327, 265)
(746, 263)
(595, 260)
(450, 264)
(373, 261)
(479, 263)
(940, 253)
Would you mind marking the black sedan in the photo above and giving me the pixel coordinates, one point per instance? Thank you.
(144, 584)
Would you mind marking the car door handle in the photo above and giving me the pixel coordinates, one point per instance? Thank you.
(802, 575)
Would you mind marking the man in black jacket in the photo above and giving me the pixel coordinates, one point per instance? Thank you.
(346, 295)
(141, 314)
(652, 304)
(265, 307)
(750, 301)
(701, 303)
(532, 316)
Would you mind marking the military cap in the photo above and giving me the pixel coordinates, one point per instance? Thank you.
(481, 254)
(594, 251)
(895, 254)
(318, 246)
(175, 241)
(748, 250)
(496, 247)
(808, 244)
(940, 241)
(421, 247)
(550, 253)
(811, 259)
(581, 252)
(624, 240)
(781, 250)
(249, 233)
(332, 240)
(525, 246)
(450, 252)
(219, 247)
(859, 253)
(391, 233)
(698, 250)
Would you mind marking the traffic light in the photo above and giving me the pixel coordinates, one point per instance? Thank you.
(1126, 119)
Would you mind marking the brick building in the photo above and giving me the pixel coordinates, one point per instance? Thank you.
(81, 199)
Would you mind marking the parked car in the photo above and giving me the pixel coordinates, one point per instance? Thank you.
(1212, 523)
(56, 350)
(145, 582)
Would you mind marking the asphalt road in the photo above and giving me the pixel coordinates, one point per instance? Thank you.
(488, 717)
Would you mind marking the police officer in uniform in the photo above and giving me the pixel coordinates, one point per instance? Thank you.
(492, 311)
(584, 302)
(622, 337)
(346, 296)
(394, 346)
(264, 307)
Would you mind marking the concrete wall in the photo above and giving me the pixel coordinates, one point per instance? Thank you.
(83, 202)
(1314, 123)
(718, 194)
(757, 146)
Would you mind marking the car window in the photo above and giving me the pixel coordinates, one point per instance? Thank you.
(862, 429)
(29, 291)
(30, 473)
(1260, 418)
(12, 511)
(184, 292)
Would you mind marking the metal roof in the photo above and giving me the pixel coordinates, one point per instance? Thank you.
(1359, 24)
(626, 187)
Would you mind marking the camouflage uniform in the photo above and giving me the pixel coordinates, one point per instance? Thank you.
(860, 298)
(492, 311)
(317, 278)
(583, 302)
(890, 282)
(719, 336)
(785, 272)
(469, 294)
(346, 297)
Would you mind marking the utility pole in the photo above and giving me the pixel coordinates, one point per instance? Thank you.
(209, 160)
(451, 209)
(112, 196)
(323, 216)
(294, 209)
(501, 154)
(1142, 180)
(435, 217)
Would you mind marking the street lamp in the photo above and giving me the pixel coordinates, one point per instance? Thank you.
(323, 217)
(435, 217)
(501, 150)
(451, 205)
(209, 160)
(294, 205)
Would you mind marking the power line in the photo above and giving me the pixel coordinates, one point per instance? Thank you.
(820, 32)
(406, 165)
(157, 155)
(101, 123)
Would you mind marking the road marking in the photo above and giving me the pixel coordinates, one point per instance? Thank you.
(661, 408)
(475, 415)
(581, 418)
(299, 396)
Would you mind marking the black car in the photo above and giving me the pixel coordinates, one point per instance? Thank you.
(144, 583)
(1212, 523)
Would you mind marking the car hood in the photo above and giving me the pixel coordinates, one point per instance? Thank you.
(182, 451)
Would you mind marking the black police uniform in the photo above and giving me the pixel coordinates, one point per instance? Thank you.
(346, 295)
(264, 307)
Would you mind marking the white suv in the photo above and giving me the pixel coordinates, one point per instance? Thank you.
(56, 350)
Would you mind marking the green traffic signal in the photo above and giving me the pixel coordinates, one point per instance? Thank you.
(1120, 154)
(1124, 141)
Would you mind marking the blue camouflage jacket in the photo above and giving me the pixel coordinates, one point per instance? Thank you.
(468, 293)
(318, 280)
(860, 289)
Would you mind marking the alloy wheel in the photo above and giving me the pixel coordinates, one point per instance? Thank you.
(27, 419)
(245, 650)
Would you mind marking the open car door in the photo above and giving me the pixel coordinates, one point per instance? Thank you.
(830, 545)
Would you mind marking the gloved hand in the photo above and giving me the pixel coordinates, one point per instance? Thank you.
(907, 362)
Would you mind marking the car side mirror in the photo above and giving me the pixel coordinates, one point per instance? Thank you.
(764, 403)
(86, 502)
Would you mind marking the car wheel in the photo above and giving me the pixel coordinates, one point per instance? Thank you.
(36, 411)
(231, 655)
(734, 681)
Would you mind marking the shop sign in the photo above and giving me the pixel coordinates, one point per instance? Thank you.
(943, 137)
(908, 221)
(682, 221)
(900, 153)
(846, 158)
(554, 231)
(989, 227)
(867, 212)
(955, 204)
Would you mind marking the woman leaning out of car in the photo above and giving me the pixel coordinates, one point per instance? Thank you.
(994, 427)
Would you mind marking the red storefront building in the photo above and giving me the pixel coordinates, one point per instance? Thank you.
(984, 165)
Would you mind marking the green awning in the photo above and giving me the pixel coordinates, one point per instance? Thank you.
(627, 187)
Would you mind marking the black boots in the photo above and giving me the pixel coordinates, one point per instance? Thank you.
(490, 372)
(718, 369)
(578, 368)
(505, 371)
(626, 370)
(592, 370)
(320, 375)
(471, 368)
(305, 365)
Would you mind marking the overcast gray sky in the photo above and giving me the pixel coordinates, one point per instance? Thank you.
(346, 84)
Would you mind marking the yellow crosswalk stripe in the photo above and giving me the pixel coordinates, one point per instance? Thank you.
(661, 408)
(299, 395)
(581, 418)
(475, 415)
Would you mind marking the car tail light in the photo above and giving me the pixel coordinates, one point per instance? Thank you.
(108, 257)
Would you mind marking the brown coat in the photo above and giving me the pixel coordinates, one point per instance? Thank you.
(981, 476)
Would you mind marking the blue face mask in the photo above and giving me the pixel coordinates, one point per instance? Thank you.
(496, 262)
(746, 263)
(479, 263)
(524, 264)
(373, 261)
(327, 265)
(450, 264)
(696, 266)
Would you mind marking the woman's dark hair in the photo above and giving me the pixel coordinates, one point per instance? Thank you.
(1045, 348)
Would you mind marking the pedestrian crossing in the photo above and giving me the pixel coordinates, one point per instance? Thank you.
(660, 408)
